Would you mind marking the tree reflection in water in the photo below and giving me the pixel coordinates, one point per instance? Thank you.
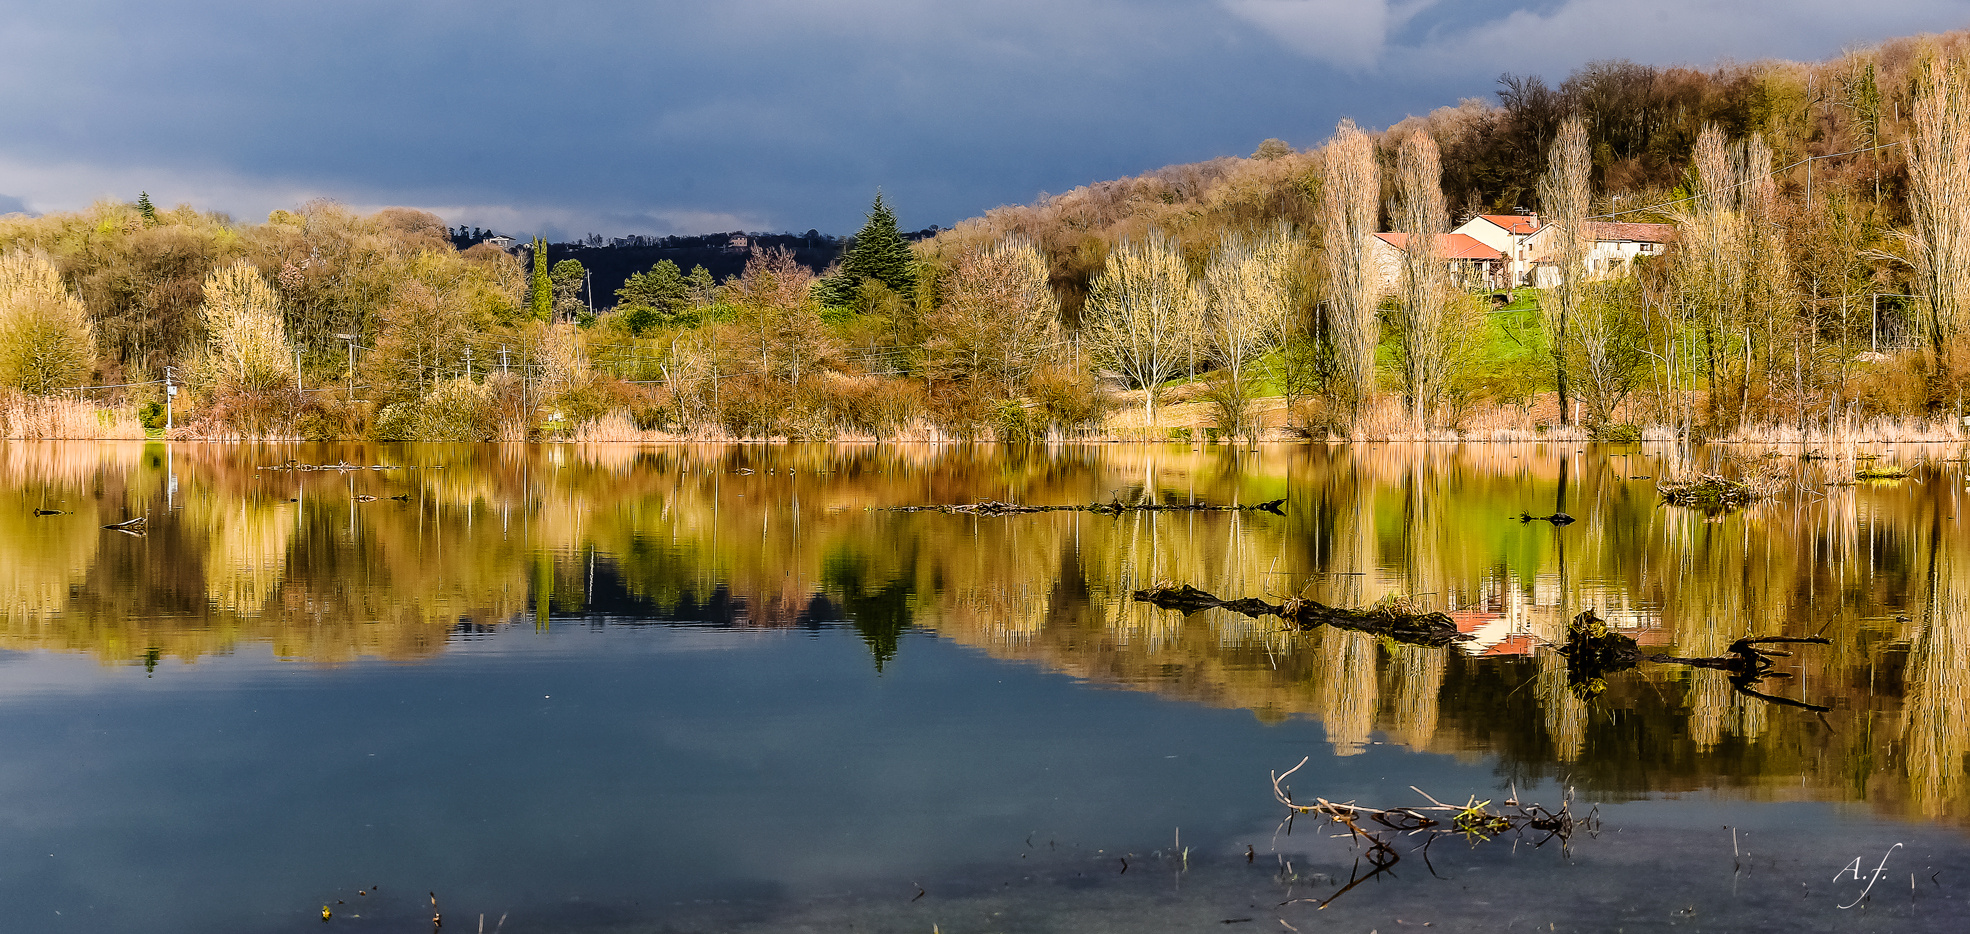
(779, 536)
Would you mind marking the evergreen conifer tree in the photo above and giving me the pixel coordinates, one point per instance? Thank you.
(878, 252)
(540, 300)
(145, 208)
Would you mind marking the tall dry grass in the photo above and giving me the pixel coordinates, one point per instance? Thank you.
(47, 418)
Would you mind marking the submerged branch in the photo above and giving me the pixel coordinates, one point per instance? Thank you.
(996, 508)
(1394, 619)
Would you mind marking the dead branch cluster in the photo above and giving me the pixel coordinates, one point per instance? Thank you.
(1381, 829)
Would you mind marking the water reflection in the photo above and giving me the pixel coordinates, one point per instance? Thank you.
(328, 566)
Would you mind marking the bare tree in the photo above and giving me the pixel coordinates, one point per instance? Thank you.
(1564, 195)
(248, 343)
(1420, 324)
(1350, 185)
(999, 318)
(1709, 270)
(1248, 291)
(1143, 314)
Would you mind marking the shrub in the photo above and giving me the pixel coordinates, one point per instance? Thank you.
(1071, 401)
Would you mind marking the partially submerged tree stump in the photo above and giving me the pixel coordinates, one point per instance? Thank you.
(1592, 652)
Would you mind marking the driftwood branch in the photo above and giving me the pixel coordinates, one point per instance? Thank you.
(1379, 829)
(1392, 619)
(996, 508)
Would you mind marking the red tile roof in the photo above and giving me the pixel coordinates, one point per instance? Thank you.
(1517, 224)
(1452, 246)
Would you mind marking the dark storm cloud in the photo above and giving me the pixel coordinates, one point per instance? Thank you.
(663, 117)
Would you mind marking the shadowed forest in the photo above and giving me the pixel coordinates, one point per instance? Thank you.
(1812, 282)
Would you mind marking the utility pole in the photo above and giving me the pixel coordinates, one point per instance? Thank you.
(468, 363)
(170, 389)
(350, 339)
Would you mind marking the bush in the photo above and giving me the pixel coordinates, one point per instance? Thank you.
(454, 410)
(1018, 423)
(1071, 401)
(1615, 434)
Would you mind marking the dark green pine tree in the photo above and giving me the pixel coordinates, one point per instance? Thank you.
(878, 252)
(144, 207)
(540, 301)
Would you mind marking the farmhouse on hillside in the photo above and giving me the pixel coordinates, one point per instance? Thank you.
(1473, 265)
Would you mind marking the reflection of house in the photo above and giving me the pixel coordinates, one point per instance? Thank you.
(1473, 265)
(1615, 246)
(1491, 634)
(1506, 233)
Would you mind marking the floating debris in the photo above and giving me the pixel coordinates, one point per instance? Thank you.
(51, 512)
(292, 464)
(137, 526)
(1708, 491)
(1558, 518)
(1881, 472)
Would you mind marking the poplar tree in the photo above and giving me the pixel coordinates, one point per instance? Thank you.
(878, 252)
(1421, 325)
(1565, 196)
(1351, 181)
(1939, 202)
(540, 300)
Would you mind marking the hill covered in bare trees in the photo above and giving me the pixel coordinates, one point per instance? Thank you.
(1745, 248)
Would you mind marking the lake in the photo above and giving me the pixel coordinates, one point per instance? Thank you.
(735, 688)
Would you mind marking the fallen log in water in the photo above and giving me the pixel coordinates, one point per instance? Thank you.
(1393, 619)
(996, 508)
(292, 464)
(137, 526)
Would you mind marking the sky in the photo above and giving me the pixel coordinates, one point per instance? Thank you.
(620, 117)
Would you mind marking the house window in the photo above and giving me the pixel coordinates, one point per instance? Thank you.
(1648, 247)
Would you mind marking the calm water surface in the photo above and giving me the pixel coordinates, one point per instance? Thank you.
(611, 688)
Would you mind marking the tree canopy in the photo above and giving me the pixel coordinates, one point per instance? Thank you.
(878, 252)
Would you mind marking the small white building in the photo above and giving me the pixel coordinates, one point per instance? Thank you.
(1509, 235)
(1616, 245)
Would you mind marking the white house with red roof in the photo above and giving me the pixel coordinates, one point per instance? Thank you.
(1616, 245)
(1508, 234)
(1473, 265)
